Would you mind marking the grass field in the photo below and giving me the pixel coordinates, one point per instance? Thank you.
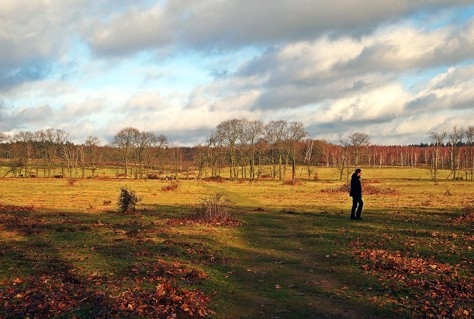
(294, 253)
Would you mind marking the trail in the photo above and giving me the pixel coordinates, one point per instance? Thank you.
(288, 269)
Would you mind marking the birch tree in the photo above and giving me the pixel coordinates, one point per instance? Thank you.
(470, 145)
(437, 139)
(455, 136)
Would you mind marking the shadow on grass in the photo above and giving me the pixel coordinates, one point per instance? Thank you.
(299, 266)
(104, 265)
(276, 265)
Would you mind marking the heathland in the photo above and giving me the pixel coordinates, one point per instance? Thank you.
(284, 250)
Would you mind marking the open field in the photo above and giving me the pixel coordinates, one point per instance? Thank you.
(66, 250)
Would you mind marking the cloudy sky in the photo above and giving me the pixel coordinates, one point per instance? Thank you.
(393, 69)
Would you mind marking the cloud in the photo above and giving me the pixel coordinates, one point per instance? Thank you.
(150, 111)
(220, 25)
(181, 67)
(131, 31)
(448, 90)
(340, 72)
(22, 118)
(25, 25)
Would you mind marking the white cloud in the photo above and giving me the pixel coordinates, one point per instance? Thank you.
(448, 90)
(381, 104)
(177, 66)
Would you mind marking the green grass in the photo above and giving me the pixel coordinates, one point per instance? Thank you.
(296, 254)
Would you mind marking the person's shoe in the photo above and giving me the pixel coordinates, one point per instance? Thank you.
(359, 218)
(353, 218)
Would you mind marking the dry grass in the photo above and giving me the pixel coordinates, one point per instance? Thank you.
(273, 264)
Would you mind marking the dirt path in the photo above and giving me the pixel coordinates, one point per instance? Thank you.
(294, 272)
(296, 265)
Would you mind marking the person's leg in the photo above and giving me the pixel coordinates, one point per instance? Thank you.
(354, 206)
(359, 208)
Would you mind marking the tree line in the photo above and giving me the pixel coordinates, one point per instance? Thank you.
(236, 148)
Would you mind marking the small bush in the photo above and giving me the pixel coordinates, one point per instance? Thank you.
(448, 192)
(171, 187)
(127, 200)
(291, 182)
(213, 207)
(217, 179)
(344, 188)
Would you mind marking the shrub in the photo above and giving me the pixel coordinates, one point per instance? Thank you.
(217, 179)
(170, 187)
(214, 207)
(127, 200)
(291, 182)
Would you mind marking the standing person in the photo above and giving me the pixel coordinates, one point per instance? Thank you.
(356, 194)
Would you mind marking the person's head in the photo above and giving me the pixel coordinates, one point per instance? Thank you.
(358, 171)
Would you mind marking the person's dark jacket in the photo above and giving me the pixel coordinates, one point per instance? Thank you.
(356, 186)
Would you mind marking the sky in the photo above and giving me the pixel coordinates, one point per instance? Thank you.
(392, 69)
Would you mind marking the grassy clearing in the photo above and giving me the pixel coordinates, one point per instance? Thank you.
(296, 254)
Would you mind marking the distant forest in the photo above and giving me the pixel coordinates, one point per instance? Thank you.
(236, 149)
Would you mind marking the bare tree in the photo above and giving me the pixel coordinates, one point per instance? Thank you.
(142, 141)
(343, 164)
(455, 138)
(42, 150)
(68, 151)
(214, 154)
(252, 133)
(91, 148)
(24, 144)
(48, 148)
(156, 152)
(125, 140)
(470, 145)
(308, 156)
(437, 139)
(275, 135)
(229, 132)
(358, 141)
(200, 158)
(54, 141)
(327, 149)
(294, 135)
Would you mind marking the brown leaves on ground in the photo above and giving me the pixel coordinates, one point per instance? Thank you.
(54, 288)
(230, 221)
(197, 252)
(19, 219)
(466, 216)
(14, 209)
(166, 301)
(148, 290)
(430, 288)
